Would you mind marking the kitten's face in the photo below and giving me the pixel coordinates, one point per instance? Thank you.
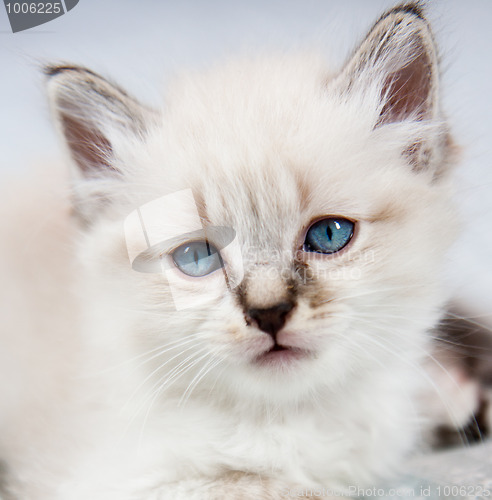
(338, 229)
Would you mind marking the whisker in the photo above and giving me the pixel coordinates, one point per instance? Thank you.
(167, 383)
(205, 370)
(156, 370)
(374, 291)
(420, 371)
(175, 344)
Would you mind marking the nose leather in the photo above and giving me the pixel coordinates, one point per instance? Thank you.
(272, 319)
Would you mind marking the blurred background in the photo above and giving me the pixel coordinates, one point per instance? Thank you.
(142, 43)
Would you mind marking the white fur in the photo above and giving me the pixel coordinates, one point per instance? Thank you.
(244, 135)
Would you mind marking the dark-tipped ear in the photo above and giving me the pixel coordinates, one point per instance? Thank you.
(91, 113)
(399, 55)
(396, 69)
(95, 118)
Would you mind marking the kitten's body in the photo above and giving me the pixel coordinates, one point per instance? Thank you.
(267, 147)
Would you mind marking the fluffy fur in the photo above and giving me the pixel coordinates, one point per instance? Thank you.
(125, 397)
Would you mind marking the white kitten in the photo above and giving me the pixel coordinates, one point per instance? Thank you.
(255, 270)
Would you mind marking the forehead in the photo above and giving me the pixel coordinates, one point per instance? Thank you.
(269, 190)
(264, 204)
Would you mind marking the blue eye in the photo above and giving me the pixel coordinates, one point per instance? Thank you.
(197, 258)
(329, 235)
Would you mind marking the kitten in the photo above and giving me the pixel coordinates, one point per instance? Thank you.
(239, 304)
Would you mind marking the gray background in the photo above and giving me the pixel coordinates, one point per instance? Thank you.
(142, 43)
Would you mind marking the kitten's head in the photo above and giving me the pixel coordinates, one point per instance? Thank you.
(285, 225)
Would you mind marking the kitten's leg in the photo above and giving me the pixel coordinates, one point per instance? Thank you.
(460, 368)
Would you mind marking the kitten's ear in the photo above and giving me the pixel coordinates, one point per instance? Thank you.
(396, 70)
(96, 119)
(399, 54)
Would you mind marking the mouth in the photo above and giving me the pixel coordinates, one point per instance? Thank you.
(282, 356)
